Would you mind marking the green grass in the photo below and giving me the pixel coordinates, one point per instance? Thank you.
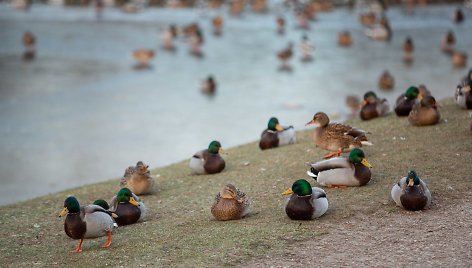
(180, 230)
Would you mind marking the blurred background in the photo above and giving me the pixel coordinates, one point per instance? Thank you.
(106, 83)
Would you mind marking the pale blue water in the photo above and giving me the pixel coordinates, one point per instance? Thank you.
(80, 114)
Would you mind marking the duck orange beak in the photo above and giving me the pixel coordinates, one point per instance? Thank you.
(133, 201)
(221, 151)
(63, 212)
(278, 127)
(365, 163)
(411, 182)
(289, 191)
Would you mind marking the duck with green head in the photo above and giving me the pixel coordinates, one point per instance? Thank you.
(373, 107)
(411, 193)
(336, 137)
(230, 204)
(305, 202)
(353, 170)
(129, 208)
(275, 135)
(91, 221)
(405, 101)
(208, 161)
(424, 113)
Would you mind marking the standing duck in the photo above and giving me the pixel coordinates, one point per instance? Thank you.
(406, 101)
(386, 81)
(463, 96)
(285, 55)
(305, 202)
(373, 107)
(128, 207)
(143, 56)
(336, 137)
(448, 42)
(208, 161)
(275, 135)
(91, 221)
(29, 42)
(408, 49)
(344, 39)
(230, 204)
(342, 171)
(424, 113)
(138, 179)
(411, 193)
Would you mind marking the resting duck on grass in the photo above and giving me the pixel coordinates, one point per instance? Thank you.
(463, 96)
(405, 101)
(373, 107)
(342, 171)
(230, 204)
(425, 112)
(305, 202)
(128, 207)
(335, 136)
(275, 135)
(91, 221)
(208, 161)
(411, 193)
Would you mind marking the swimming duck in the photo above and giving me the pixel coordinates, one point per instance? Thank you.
(448, 42)
(196, 41)
(143, 56)
(259, 6)
(285, 54)
(408, 49)
(305, 202)
(275, 135)
(138, 179)
(367, 18)
(463, 96)
(236, 7)
(306, 48)
(466, 80)
(406, 101)
(167, 37)
(230, 204)
(411, 193)
(208, 161)
(380, 32)
(209, 86)
(129, 208)
(217, 22)
(280, 25)
(91, 221)
(353, 170)
(373, 107)
(386, 81)
(29, 42)
(424, 113)
(344, 39)
(459, 59)
(336, 137)
(458, 16)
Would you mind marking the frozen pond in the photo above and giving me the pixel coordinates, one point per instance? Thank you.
(80, 114)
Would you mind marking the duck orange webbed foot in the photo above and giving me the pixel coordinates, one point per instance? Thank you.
(336, 186)
(107, 244)
(336, 153)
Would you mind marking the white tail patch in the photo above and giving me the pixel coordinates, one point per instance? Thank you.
(311, 174)
(368, 143)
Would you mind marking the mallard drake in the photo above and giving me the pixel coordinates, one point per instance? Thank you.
(259, 6)
(386, 81)
(217, 22)
(344, 39)
(275, 135)
(143, 56)
(208, 161)
(408, 49)
(336, 137)
(138, 179)
(448, 42)
(104, 204)
(129, 208)
(463, 96)
(305, 202)
(373, 107)
(91, 221)
(411, 193)
(424, 113)
(406, 101)
(306, 48)
(209, 86)
(459, 59)
(285, 54)
(280, 25)
(353, 170)
(230, 204)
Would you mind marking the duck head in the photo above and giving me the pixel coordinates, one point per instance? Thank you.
(215, 147)
(320, 119)
(125, 195)
(71, 205)
(357, 156)
(300, 188)
(274, 125)
(412, 179)
(412, 93)
(369, 97)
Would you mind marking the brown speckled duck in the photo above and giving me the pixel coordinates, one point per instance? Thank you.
(217, 23)
(230, 204)
(305, 202)
(405, 101)
(386, 81)
(459, 59)
(336, 137)
(143, 56)
(285, 54)
(129, 208)
(411, 193)
(208, 161)
(424, 113)
(373, 107)
(138, 179)
(344, 39)
(91, 221)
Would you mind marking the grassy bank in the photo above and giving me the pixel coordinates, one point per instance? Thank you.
(181, 232)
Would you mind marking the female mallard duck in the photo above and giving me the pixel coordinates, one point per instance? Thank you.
(373, 107)
(208, 161)
(406, 101)
(280, 25)
(344, 39)
(424, 113)
(275, 135)
(143, 56)
(341, 171)
(305, 202)
(217, 23)
(367, 18)
(386, 81)
(459, 59)
(29, 42)
(138, 179)
(448, 42)
(91, 221)
(354, 104)
(285, 55)
(230, 204)
(336, 137)
(411, 193)
(463, 96)
(128, 207)
(209, 86)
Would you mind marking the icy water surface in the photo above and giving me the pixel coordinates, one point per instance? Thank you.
(80, 114)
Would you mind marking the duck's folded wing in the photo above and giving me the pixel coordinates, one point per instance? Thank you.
(89, 209)
(336, 162)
